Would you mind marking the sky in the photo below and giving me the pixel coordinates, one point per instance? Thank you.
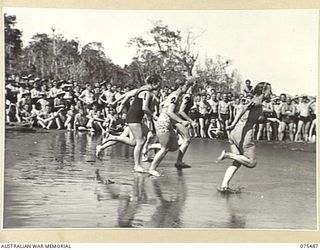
(276, 46)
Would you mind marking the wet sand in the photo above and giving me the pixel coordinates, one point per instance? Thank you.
(50, 182)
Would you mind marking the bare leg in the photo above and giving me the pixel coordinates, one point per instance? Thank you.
(291, 135)
(186, 139)
(228, 175)
(41, 123)
(268, 127)
(145, 148)
(202, 133)
(313, 126)
(168, 142)
(282, 127)
(299, 130)
(306, 131)
(58, 123)
(260, 130)
(112, 140)
(248, 162)
(49, 124)
(156, 161)
(136, 129)
(67, 121)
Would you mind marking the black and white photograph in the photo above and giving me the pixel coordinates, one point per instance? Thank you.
(198, 119)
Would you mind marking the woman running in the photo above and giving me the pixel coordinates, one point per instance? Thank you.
(168, 116)
(241, 136)
(184, 131)
(138, 108)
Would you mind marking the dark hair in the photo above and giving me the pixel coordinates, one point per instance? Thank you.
(182, 82)
(153, 79)
(259, 88)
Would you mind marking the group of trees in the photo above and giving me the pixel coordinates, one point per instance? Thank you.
(162, 50)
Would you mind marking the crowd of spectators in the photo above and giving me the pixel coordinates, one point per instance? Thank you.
(52, 104)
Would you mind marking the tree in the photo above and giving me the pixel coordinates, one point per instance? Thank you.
(13, 42)
(219, 74)
(166, 52)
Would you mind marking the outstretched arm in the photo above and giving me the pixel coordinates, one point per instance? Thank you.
(240, 113)
(182, 113)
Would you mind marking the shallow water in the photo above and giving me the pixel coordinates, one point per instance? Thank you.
(50, 182)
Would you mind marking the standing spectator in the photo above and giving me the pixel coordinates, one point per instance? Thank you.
(107, 96)
(248, 89)
(224, 112)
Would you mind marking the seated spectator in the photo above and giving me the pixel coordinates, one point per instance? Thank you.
(214, 129)
(80, 120)
(70, 117)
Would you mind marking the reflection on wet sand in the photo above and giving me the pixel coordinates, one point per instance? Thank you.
(53, 180)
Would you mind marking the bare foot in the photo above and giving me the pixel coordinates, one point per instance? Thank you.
(154, 173)
(98, 150)
(222, 156)
(181, 165)
(139, 169)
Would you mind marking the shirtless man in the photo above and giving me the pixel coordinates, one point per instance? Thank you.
(108, 95)
(267, 111)
(214, 104)
(224, 112)
(288, 111)
(304, 108)
(312, 136)
(87, 97)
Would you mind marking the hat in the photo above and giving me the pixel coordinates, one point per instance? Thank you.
(29, 76)
(24, 78)
(43, 93)
(37, 79)
(61, 81)
(60, 92)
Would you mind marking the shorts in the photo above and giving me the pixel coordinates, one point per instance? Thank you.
(214, 116)
(304, 119)
(225, 117)
(268, 115)
(194, 114)
(87, 106)
(288, 119)
(204, 116)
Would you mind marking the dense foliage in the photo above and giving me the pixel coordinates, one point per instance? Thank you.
(161, 50)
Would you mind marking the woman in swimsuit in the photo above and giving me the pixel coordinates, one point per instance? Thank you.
(138, 108)
(241, 136)
(168, 116)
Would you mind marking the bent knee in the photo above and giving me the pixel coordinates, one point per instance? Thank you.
(186, 141)
(252, 163)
